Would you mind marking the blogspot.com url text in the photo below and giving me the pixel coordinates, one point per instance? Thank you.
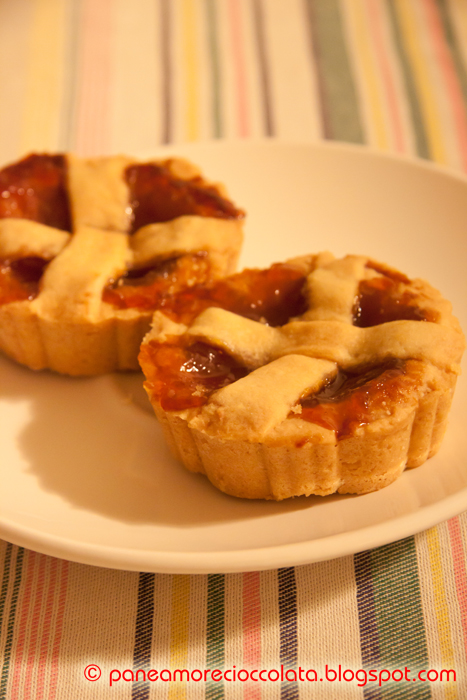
(339, 674)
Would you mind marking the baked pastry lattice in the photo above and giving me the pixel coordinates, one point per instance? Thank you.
(90, 247)
(318, 375)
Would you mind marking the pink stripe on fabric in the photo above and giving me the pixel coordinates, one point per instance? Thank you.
(376, 19)
(54, 662)
(92, 135)
(34, 624)
(450, 79)
(251, 629)
(239, 68)
(460, 573)
(46, 631)
(23, 624)
(36, 658)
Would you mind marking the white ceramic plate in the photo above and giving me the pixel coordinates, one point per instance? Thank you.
(84, 471)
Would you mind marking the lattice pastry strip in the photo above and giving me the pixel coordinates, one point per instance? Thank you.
(20, 238)
(90, 247)
(331, 290)
(341, 393)
(245, 407)
(255, 344)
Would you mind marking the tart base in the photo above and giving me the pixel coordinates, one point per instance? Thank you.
(358, 464)
(55, 312)
(73, 347)
(339, 398)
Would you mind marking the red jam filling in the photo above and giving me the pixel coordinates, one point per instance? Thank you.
(355, 398)
(381, 300)
(35, 188)
(182, 373)
(156, 195)
(19, 279)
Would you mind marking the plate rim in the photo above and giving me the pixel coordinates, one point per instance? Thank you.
(237, 561)
(322, 144)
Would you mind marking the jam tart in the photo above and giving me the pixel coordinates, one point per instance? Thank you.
(89, 248)
(315, 376)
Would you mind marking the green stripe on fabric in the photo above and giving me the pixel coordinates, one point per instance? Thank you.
(143, 634)
(288, 622)
(216, 84)
(366, 610)
(399, 618)
(421, 139)
(340, 106)
(11, 623)
(215, 639)
(453, 46)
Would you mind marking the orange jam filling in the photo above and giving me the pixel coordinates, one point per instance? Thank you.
(180, 288)
(381, 300)
(271, 296)
(156, 195)
(153, 287)
(357, 397)
(183, 374)
(35, 189)
(19, 279)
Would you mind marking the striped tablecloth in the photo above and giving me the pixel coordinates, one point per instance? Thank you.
(106, 76)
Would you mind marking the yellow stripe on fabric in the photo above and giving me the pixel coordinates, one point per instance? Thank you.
(441, 609)
(363, 55)
(44, 83)
(411, 30)
(197, 646)
(179, 632)
(191, 61)
(458, 14)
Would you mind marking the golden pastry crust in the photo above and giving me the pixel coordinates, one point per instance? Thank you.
(68, 324)
(269, 431)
